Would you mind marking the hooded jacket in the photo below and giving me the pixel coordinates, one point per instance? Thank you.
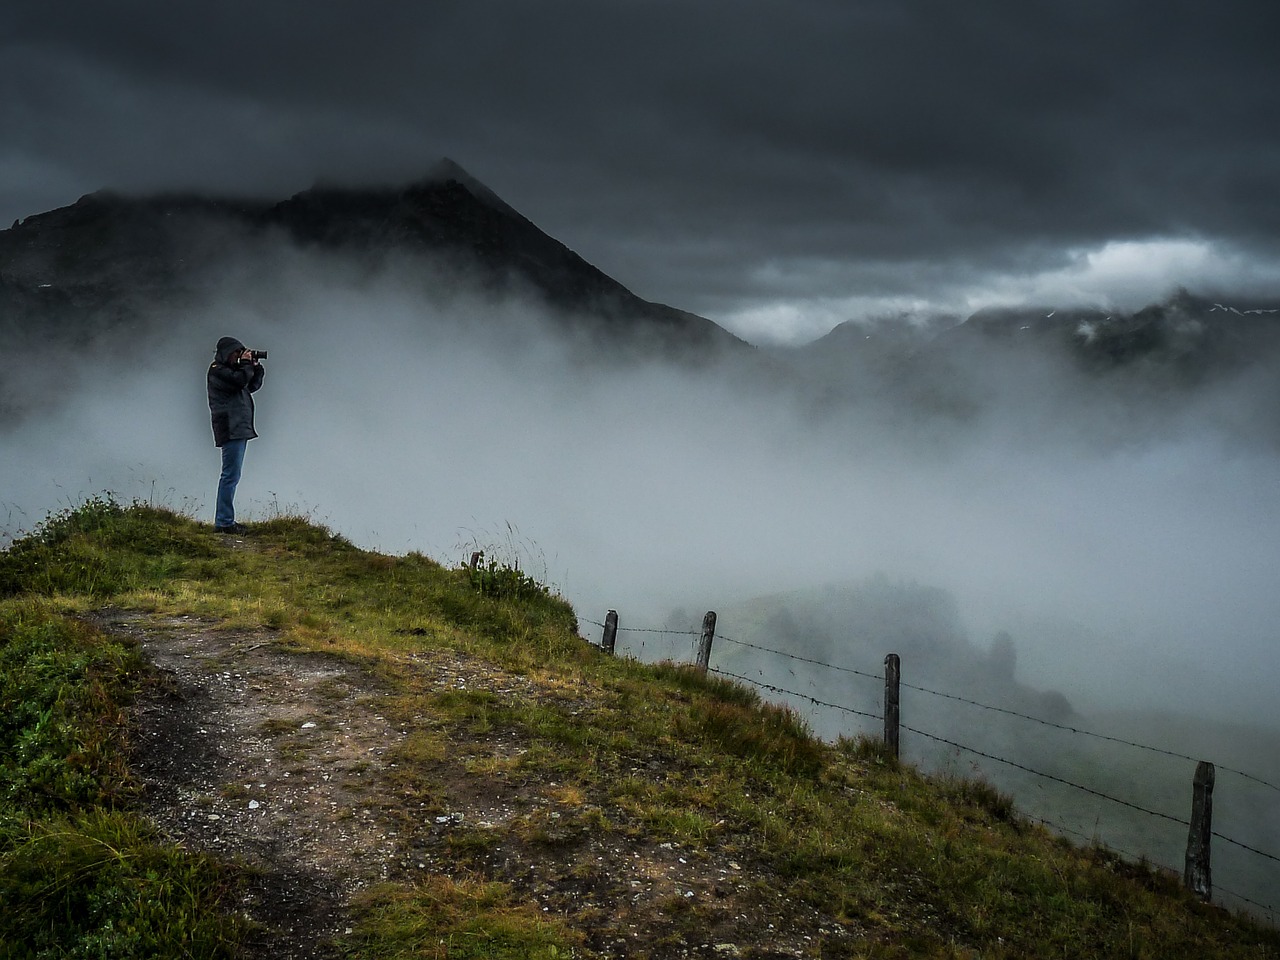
(230, 387)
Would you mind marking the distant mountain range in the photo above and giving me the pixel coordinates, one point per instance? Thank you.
(1186, 333)
(1131, 370)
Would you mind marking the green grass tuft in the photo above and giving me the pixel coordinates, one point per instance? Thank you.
(79, 875)
(99, 885)
(61, 727)
(460, 920)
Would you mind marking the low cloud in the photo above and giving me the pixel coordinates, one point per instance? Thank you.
(808, 298)
(409, 419)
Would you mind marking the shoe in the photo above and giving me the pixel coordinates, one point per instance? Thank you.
(233, 528)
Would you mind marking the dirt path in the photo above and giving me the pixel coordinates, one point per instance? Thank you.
(283, 759)
(249, 752)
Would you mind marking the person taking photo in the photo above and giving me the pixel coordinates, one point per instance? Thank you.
(234, 376)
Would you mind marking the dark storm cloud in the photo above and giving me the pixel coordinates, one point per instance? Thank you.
(711, 155)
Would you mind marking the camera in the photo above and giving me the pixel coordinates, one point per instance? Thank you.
(255, 355)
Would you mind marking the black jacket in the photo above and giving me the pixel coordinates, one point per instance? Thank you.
(230, 386)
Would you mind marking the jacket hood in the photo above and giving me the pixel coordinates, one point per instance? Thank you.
(226, 347)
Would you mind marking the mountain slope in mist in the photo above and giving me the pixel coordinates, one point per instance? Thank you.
(1186, 336)
(1112, 376)
(96, 265)
(1112, 503)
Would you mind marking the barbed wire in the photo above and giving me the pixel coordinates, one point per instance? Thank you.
(672, 633)
(1089, 733)
(1245, 846)
(1047, 776)
(1271, 910)
(794, 656)
(792, 693)
(991, 756)
(1005, 710)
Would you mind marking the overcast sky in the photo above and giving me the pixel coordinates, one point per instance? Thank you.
(776, 166)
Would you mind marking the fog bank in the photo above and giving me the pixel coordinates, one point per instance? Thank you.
(408, 417)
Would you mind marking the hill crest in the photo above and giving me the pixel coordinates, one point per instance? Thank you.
(473, 776)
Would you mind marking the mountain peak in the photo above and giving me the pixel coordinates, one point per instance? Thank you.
(446, 170)
(108, 251)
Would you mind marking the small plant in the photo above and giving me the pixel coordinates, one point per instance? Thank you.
(277, 618)
(495, 568)
(872, 750)
(977, 792)
(504, 581)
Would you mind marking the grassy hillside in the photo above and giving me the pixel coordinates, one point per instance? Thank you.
(653, 812)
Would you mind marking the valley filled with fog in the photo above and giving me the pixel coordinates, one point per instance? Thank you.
(1121, 543)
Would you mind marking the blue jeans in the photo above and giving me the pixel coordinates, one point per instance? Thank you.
(232, 462)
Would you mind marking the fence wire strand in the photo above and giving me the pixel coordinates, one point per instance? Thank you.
(1245, 846)
(794, 656)
(961, 746)
(804, 696)
(1088, 733)
(1013, 713)
(992, 756)
(620, 629)
(1047, 776)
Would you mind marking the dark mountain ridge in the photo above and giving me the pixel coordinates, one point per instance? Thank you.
(100, 259)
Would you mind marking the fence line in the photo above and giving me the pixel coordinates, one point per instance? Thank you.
(703, 658)
(991, 756)
(968, 749)
(1004, 710)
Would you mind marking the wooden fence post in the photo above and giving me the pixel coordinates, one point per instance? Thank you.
(892, 681)
(610, 631)
(704, 646)
(1197, 877)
